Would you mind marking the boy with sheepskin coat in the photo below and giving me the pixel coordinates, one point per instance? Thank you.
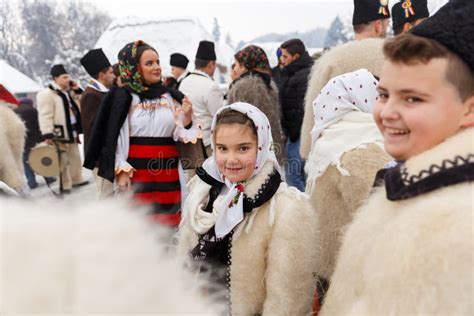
(409, 250)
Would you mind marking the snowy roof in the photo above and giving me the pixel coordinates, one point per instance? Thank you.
(167, 35)
(15, 81)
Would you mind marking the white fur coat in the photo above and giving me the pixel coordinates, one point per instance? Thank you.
(12, 143)
(274, 252)
(93, 258)
(412, 256)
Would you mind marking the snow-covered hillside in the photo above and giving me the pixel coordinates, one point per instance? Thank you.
(167, 35)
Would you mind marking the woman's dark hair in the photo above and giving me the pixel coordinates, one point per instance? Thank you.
(141, 49)
(229, 116)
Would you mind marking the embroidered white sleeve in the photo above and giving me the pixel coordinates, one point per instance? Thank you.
(190, 135)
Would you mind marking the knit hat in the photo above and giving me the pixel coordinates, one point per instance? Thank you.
(366, 11)
(409, 11)
(252, 57)
(179, 60)
(94, 61)
(452, 26)
(206, 51)
(58, 70)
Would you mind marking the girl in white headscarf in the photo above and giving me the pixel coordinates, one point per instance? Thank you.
(241, 219)
(346, 153)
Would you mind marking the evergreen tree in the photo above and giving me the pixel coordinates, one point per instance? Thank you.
(216, 30)
(335, 35)
(228, 40)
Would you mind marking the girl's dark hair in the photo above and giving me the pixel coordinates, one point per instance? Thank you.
(229, 116)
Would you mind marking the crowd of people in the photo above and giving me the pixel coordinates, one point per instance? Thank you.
(340, 184)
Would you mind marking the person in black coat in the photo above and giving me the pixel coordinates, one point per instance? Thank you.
(29, 116)
(293, 84)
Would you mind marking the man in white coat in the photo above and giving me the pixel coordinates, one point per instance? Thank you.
(203, 91)
(60, 122)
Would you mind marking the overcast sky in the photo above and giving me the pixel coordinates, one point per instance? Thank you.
(243, 19)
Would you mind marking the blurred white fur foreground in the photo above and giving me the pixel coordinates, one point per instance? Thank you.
(94, 258)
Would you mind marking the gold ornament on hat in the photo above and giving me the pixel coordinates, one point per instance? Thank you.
(383, 7)
(408, 8)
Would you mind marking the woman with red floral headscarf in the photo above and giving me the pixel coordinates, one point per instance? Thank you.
(254, 85)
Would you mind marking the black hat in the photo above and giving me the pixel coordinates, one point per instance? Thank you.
(179, 60)
(206, 51)
(452, 26)
(95, 61)
(58, 70)
(366, 11)
(409, 11)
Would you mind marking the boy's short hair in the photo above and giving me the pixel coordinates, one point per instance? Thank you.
(294, 46)
(410, 49)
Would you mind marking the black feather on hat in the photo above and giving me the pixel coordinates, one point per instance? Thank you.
(366, 11)
(408, 11)
(179, 60)
(94, 61)
(206, 51)
(452, 26)
(58, 70)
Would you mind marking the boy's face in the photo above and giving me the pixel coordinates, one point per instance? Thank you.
(417, 107)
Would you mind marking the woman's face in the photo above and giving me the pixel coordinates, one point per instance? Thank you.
(149, 67)
(235, 151)
(238, 68)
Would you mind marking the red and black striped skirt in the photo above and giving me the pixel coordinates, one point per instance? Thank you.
(156, 179)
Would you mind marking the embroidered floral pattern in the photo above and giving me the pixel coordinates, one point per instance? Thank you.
(128, 67)
(446, 164)
(252, 57)
(239, 186)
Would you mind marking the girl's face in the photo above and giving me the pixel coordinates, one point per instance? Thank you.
(149, 67)
(235, 151)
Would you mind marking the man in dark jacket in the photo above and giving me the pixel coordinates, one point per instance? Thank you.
(294, 82)
(98, 67)
(29, 116)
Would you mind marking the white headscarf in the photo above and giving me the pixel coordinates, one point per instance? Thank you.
(353, 91)
(342, 120)
(230, 214)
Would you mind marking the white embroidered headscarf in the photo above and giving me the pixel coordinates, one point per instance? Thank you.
(342, 120)
(230, 214)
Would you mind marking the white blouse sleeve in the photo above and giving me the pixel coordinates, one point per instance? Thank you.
(121, 152)
(184, 135)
